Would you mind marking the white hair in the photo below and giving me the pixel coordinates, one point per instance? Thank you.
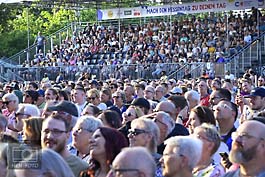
(90, 123)
(188, 146)
(167, 119)
(28, 109)
(194, 95)
(11, 97)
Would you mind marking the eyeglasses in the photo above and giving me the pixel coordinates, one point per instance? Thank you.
(157, 120)
(243, 136)
(116, 172)
(79, 130)
(21, 114)
(26, 96)
(54, 132)
(146, 91)
(135, 132)
(91, 98)
(201, 137)
(174, 154)
(225, 106)
(116, 97)
(214, 98)
(6, 102)
(128, 114)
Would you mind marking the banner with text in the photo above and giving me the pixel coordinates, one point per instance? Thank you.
(174, 9)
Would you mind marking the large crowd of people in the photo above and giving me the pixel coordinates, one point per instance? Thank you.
(150, 47)
(200, 127)
(192, 127)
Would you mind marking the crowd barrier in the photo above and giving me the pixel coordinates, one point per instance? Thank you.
(104, 72)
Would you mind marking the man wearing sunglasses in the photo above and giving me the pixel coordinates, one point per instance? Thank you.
(10, 104)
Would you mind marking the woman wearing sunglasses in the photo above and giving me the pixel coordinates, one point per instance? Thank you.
(144, 132)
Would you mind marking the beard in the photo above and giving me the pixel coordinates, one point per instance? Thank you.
(242, 156)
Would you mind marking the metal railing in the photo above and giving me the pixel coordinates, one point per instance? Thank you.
(250, 56)
(104, 72)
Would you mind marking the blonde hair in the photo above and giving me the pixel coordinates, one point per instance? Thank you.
(93, 91)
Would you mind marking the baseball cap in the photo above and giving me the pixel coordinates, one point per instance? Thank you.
(65, 106)
(141, 102)
(176, 90)
(258, 91)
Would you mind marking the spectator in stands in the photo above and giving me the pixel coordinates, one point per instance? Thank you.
(129, 163)
(129, 93)
(40, 40)
(210, 137)
(177, 149)
(193, 98)
(105, 145)
(131, 113)
(91, 110)
(143, 104)
(106, 97)
(160, 92)
(203, 90)
(261, 81)
(219, 94)
(54, 135)
(144, 132)
(119, 100)
(24, 112)
(139, 90)
(79, 98)
(51, 94)
(10, 101)
(249, 156)
(32, 132)
(82, 133)
(256, 103)
(225, 112)
(199, 115)
(93, 98)
(30, 97)
(110, 119)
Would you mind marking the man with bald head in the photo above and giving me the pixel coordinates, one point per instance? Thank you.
(169, 107)
(129, 163)
(248, 150)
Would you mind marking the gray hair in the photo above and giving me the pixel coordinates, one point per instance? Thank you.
(151, 127)
(212, 135)
(90, 123)
(194, 95)
(28, 109)
(51, 163)
(167, 119)
(134, 156)
(11, 97)
(189, 147)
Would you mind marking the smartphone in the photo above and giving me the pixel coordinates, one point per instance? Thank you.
(224, 155)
